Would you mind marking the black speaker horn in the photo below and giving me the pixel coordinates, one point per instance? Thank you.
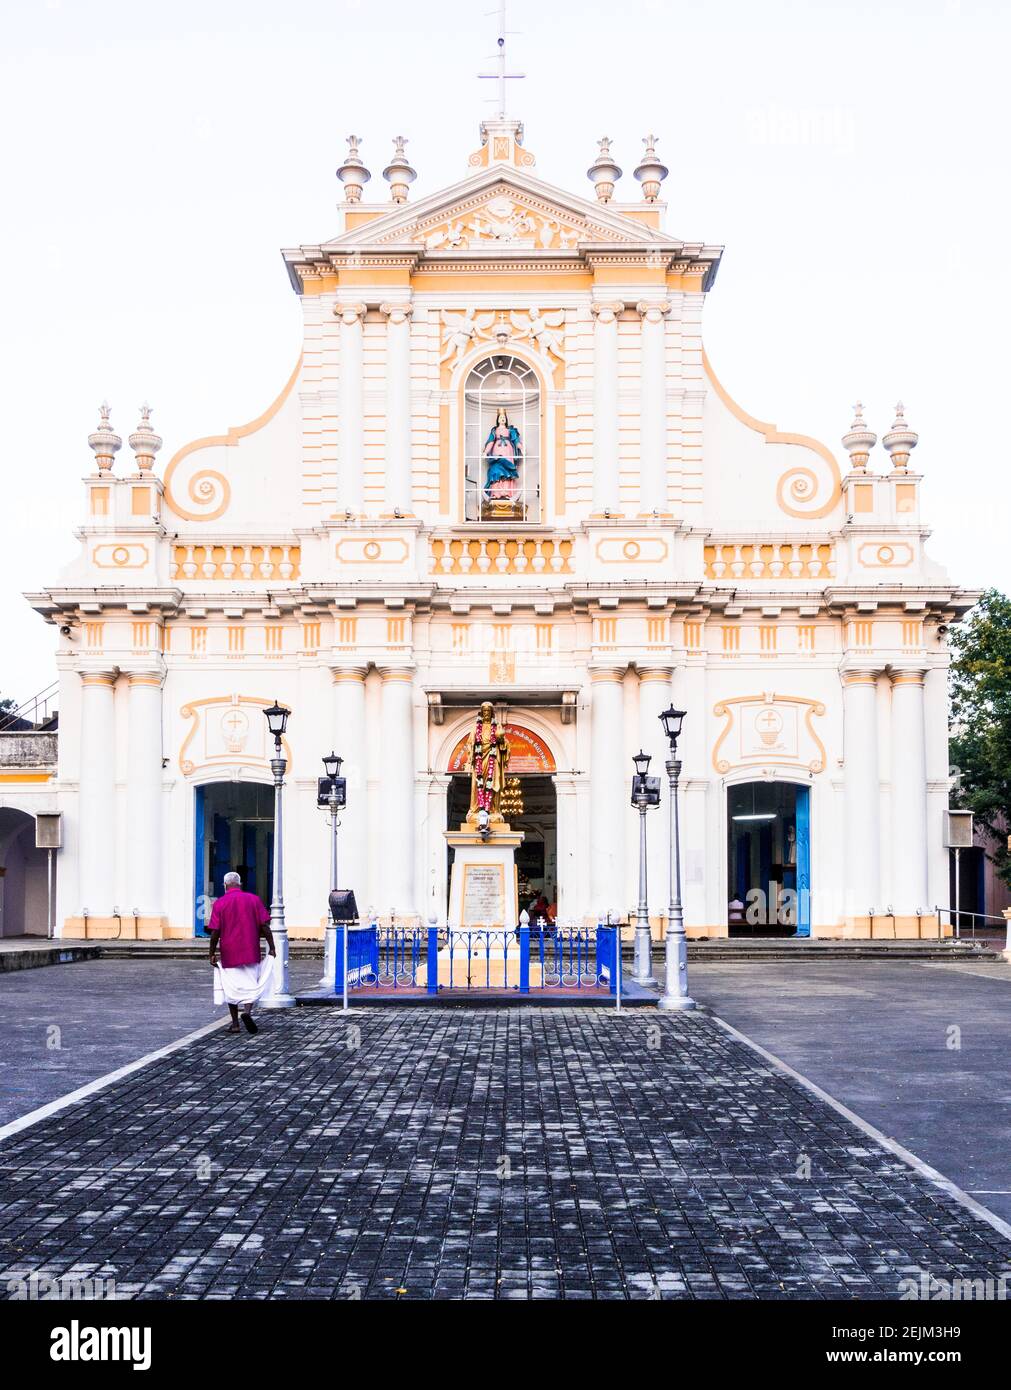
(343, 907)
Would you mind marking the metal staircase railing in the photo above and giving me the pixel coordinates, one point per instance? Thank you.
(41, 700)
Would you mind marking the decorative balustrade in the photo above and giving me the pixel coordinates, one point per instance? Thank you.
(500, 554)
(769, 560)
(225, 560)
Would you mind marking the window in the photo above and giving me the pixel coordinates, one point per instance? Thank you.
(502, 442)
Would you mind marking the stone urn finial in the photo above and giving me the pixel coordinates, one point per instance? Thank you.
(604, 173)
(104, 441)
(900, 441)
(144, 442)
(353, 173)
(398, 173)
(859, 442)
(650, 171)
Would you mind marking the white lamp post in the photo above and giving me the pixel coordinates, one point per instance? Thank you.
(645, 793)
(675, 991)
(280, 996)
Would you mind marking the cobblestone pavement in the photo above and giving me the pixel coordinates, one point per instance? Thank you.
(107, 1013)
(918, 1050)
(480, 1153)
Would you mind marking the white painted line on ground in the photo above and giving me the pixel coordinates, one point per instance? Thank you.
(44, 1111)
(924, 1169)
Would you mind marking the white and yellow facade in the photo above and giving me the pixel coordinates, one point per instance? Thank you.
(337, 554)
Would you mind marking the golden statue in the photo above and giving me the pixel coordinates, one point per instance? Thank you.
(486, 759)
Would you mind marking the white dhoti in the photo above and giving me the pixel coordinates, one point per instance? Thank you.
(243, 984)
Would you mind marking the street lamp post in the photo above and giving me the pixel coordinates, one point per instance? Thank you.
(645, 793)
(280, 996)
(675, 991)
(332, 795)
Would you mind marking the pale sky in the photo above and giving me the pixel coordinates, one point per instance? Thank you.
(852, 157)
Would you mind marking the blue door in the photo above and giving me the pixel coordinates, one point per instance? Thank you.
(199, 865)
(803, 813)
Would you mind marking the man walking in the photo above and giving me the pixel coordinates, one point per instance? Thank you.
(238, 920)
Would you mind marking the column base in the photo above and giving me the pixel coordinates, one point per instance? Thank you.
(676, 1003)
(117, 928)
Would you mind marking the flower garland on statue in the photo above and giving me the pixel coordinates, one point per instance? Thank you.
(484, 765)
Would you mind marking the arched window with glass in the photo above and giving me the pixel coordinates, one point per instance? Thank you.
(502, 441)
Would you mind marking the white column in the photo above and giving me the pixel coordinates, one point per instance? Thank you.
(861, 797)
(605, 406)
(652, 409)
(397, 782)
(607, 792)
(571, 895)
(437, 893)
(655, 696)
(909, 794)
(398, 407)
(144, 794)
(351, 425)
(349, 741)
(97, 796)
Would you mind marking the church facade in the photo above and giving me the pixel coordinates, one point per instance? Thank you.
(503, 467)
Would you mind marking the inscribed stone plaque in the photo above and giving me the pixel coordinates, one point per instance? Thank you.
(483, 895)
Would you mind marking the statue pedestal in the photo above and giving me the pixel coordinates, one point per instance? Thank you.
(483, 912)
(482, 885)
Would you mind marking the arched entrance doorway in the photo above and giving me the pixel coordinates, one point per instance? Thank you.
(234, 829)
(768, 859)
(529, 805)
(24, 885)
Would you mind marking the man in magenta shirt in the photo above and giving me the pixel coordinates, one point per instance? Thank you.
(238, 920)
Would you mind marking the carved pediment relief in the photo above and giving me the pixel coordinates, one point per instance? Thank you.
(506, 220)
(510, 213)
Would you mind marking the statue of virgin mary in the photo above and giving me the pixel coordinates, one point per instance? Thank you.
(504, 449)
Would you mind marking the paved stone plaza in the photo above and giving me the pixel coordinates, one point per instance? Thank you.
(483, 1153)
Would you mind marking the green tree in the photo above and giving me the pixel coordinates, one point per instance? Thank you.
(981, 719)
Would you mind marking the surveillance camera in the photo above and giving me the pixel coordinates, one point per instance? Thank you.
(942, 629)
(66, 630)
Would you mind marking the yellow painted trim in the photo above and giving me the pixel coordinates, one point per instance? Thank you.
(559, 460)
(26, 776)
(229, 440)
(444, 504)
(497, 281)
(777, 436)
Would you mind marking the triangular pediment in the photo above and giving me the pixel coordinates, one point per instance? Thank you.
(500, 210)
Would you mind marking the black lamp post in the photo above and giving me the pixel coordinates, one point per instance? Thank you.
(645, 793)
(280, 996)
(675, 991)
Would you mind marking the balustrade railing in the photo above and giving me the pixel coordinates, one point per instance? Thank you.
(228, 560)
(769, 560)
(500, 554)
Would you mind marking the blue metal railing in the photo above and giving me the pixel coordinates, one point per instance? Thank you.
(528, 959)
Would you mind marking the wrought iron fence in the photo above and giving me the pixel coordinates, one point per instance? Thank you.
(545, 956)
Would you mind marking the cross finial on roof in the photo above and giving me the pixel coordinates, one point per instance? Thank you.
(502, 76)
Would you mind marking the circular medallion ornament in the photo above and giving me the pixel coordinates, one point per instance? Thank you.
(631, 550)
(372, 550)
(120, 556)
(885, 555)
